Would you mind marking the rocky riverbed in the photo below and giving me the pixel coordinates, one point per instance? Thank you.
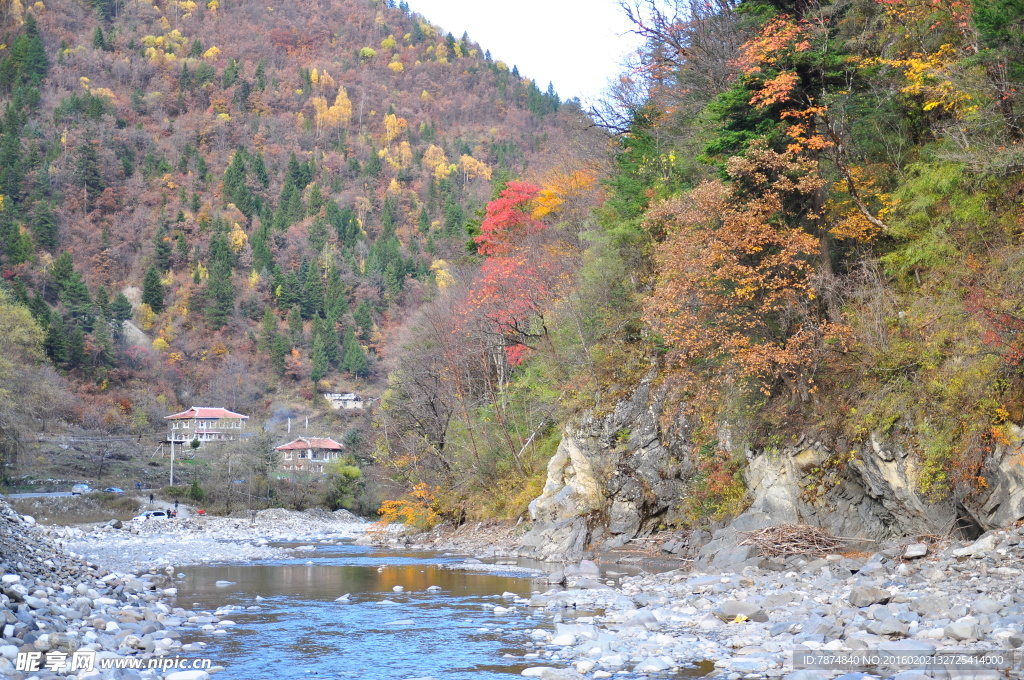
(907, 600)
(201, 540)
(77, 599)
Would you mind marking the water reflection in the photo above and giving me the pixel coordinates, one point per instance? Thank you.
(300, 630)
(380, 634)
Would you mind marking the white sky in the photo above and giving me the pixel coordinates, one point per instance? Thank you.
(576, 44)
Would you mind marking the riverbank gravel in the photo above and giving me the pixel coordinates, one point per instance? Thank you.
(105, 594)
(137, 545)
(911, 600)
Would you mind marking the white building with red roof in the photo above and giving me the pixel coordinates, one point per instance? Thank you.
(308, 454)
(205, 424)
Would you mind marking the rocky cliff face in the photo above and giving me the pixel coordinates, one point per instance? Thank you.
(613, 478)
(620, 476)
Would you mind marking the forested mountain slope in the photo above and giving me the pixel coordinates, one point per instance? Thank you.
(262, 189)
(801, 278)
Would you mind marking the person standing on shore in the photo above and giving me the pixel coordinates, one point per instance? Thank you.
(151, 499)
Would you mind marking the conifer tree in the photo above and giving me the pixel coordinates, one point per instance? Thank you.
(98, 41)
(295, 328)
(364, 319)
(220, 297)
(153, 290)
(335, 297)
(87, 172)
(353, 358)
(56, 341)
(320, 361)
(44, 227)
(120, 309)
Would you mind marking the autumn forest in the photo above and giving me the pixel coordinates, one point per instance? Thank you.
(797, 218)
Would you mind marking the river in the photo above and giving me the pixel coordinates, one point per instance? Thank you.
(299, 630)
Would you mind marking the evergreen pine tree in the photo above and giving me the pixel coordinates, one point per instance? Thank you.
(278, 352)
(320, 361)
(313, 294)
(44, 227)
(353, 358)
(34, 63)
(62, 269)
(98, 41)
(220, 297)
(56, 341)
(317, 235)
(295, 328)
(316, 200)
(120, 309)
(373, 166)
(335, 297)
(153, 290)
(364, 319)
(87, 172)
(76, 348)
(11, 171)
(268, 331)
(424, 221)
(103, 302)
(162, 249)
(19, 246)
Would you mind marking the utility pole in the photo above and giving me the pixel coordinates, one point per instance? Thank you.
(172, 460)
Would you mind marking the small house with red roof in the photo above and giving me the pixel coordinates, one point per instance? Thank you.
(205, 424)
(308, 454)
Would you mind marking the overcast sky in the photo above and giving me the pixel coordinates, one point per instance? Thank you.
(576, 44)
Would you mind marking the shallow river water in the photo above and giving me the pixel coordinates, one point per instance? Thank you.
(300, 631)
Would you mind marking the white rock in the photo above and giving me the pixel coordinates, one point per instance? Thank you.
(535, 671)
(188, 675)
(398, 589)
(564, 640)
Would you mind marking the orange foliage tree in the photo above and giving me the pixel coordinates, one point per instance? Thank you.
(735, 295)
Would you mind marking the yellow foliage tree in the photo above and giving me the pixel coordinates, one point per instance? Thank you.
(237, 238)
(472, 168)
(435, 160)
(393, 127)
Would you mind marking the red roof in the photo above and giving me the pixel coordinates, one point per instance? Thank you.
(303, 443)
(205, 412)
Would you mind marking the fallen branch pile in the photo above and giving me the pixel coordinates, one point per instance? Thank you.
(792, 539)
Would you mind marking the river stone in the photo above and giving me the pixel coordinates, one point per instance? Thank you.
(188, 675)
(730, 609)
(589, 568)
(560, 674)
(889, 626)
(915, 550)
(564, 640)
(556, 577)
(650, 665)
(535, 671)
(983, 544)
(865, 597)
(960, 631)
(986, 606)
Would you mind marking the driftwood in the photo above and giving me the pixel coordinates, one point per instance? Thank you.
(793, 539)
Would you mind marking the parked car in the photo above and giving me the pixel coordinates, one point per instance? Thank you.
(78, 489)
(150, 514)
(113, 489)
